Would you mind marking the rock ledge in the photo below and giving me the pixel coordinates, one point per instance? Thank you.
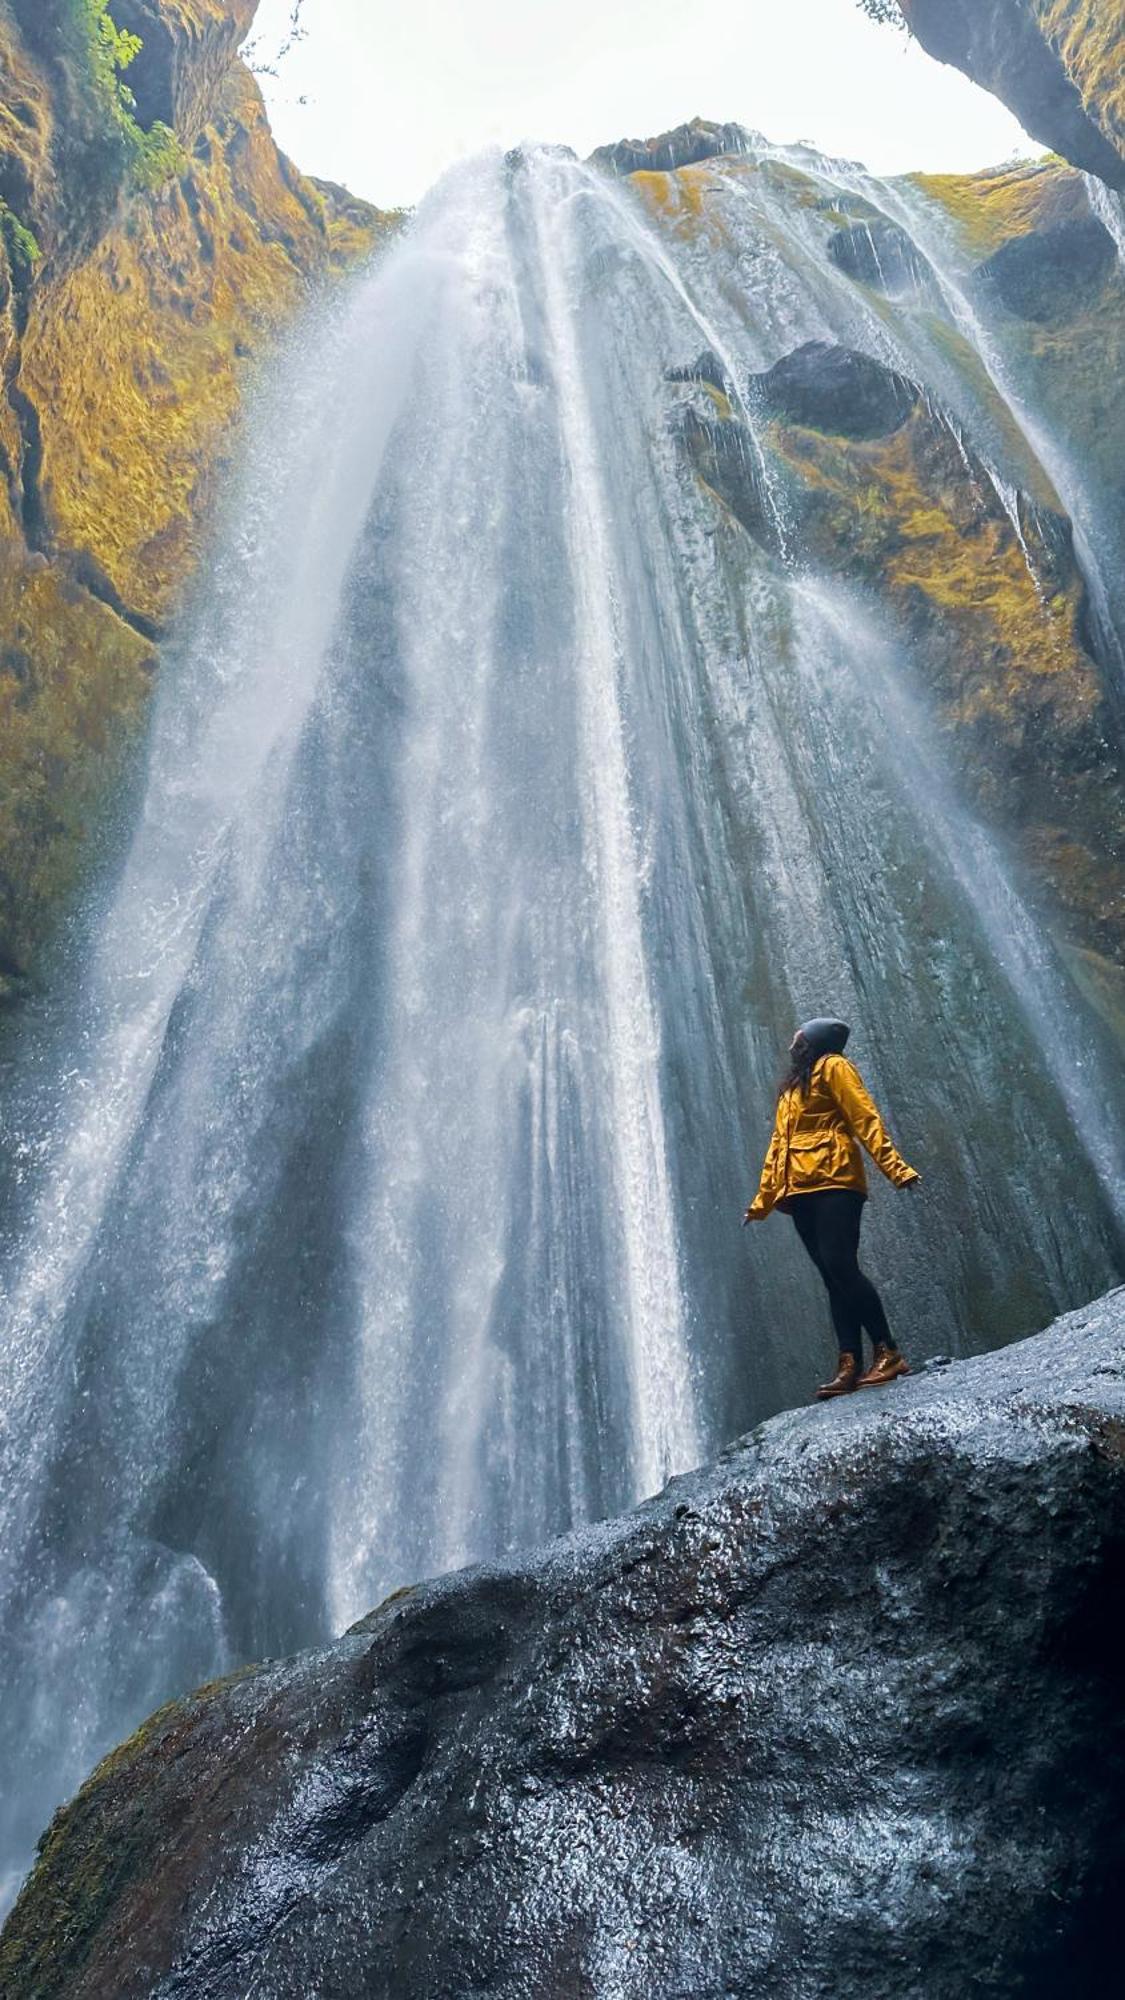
(837, 1715)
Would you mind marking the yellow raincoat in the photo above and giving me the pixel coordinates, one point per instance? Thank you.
(814, 1144)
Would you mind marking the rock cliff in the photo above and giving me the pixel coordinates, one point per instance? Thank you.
(844, 465)
(1055, 63)
(838, 1715)
(146, 258)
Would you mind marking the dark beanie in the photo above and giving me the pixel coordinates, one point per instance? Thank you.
(825, 1036)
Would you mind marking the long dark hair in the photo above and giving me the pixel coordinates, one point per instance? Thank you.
(823, 1036)
(802, 1056)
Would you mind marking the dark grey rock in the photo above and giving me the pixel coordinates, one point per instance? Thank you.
(724, 454)
(838, 1716)
(879, 253)
(685, 146)
(836, 389)
(1007, 47)
(1051, 274)
(707, 367)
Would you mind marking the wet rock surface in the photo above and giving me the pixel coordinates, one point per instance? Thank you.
(857, 472)
(835, 389)
(1051, 273)
(839, 1714)
(880, 254)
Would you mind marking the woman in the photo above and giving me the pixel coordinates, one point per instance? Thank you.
(814, 1171)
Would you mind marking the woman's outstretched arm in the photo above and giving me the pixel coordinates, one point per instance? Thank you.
(769, 1187)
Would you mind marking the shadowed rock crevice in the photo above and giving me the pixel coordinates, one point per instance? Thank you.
(878, 253)
(839, 1714)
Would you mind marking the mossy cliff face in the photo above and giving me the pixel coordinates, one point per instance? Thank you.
(942, 513)
(129, 318)
(880, 490)
(1045, 275)
(1055, 63)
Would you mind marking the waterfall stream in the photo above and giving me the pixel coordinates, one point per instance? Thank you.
(378, 1195)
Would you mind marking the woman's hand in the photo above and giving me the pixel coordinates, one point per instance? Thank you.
(914, 1181)
(750, 1216)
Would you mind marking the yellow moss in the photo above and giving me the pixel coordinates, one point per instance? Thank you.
(135, 361)
(657, 190)
(722, 403)
(1008, 661)
(1090, 38)
(679, 198)
(973, 572)
(130, 368)
(989, 208)
(74, 685)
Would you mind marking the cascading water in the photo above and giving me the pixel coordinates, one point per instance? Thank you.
(383, 1191)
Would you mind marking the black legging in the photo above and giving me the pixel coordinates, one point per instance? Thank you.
(828, 1226)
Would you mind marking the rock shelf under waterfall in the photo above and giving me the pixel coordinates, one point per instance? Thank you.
(838, 1714)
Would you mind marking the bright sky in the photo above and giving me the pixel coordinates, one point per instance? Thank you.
(384, 94)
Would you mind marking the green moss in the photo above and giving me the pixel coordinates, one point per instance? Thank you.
(95, 1847)
(86, 1854)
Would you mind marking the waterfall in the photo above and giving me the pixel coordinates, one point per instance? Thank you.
(378, 1184)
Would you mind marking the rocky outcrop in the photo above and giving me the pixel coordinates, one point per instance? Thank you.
(878, 253)
(1051, 274)
(857, 475)
(829, 388)
(1055, 63)
(841, 1714)
(187, 49)
(685, 146)
(129, 316)
(1065, 336)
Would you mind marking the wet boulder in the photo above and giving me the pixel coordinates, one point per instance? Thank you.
(1050, 274)
(835, 389)
(878, 253)
(839, 1715)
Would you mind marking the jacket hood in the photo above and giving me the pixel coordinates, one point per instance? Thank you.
(825, 1036)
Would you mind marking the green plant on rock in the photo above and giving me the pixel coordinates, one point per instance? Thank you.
(148, 158)
(21, 245)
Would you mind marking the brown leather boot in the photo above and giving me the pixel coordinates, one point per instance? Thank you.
(843, 1381)
(888, 1363)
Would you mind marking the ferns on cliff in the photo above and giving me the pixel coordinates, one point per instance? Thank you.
(149, 158)
(21, 245)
